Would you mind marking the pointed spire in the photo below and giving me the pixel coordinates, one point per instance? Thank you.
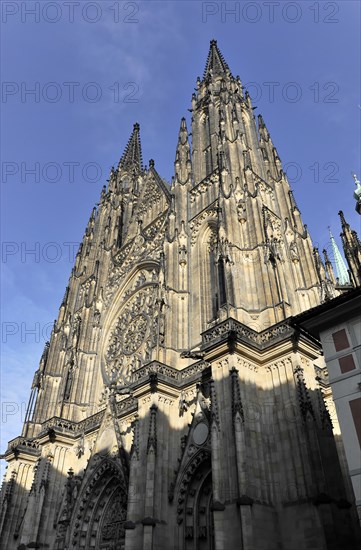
(293, 201)
(329, 267)
(132, 156)
(344, 224)
(352, 250)
(262, 129)
(216, 63)
(341, 269)
(182, 164)
(261, 123)
(320, 268)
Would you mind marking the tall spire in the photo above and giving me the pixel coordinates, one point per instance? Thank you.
(132, 156)
(352, 249)
(216, 63)
(341, 269)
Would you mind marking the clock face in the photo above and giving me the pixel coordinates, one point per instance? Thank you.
(130, 339)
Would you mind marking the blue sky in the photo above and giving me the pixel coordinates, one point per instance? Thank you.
(101, 66)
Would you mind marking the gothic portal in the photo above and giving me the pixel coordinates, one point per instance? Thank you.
(176, 405)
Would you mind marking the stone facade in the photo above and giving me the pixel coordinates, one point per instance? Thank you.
(176, 406)
(337, 324)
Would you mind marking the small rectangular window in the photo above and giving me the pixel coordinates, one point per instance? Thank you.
(346, 364)
(340, 340)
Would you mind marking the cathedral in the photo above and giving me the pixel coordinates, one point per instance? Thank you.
(177, 405)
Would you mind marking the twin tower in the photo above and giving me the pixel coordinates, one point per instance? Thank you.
(176, 406)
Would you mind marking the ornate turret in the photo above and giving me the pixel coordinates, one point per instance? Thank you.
(352, 250)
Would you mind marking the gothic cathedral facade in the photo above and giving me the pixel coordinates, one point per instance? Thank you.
(176, 406)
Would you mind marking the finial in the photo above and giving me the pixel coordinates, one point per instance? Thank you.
(151, 163)
(357, 182)
(261, 121)
(357, 194)
(215, 63)
(132, 156)
(343, 220)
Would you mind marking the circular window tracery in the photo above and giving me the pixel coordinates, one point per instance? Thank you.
(131, 337)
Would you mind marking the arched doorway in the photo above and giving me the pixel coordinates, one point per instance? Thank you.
(111, 535)
(198, 517)
(100, 512)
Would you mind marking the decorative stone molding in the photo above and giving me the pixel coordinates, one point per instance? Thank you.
(148, 244)
(237, 407)
(196, 223)
(243, 364)
(259, 340)
(188, 372)
(203, 186)
(152, 433)
(155, 367)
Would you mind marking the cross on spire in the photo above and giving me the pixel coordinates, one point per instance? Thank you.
(215, 61)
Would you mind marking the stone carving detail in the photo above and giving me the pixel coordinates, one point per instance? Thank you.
(196, 224)
(304, 398)
(182, 404)
(294, 254)
(147, 244)
(71, 490)
(273, 233)
(202, 187)
(265, 188)
(260, 338)
(214, 404)
(237, 406)
(80, 447)
(132, 337)
(112, 529)
(100, 508)
(283, 363)
(84, 291)
(243, 364)
(152, 433)
(194, 369)
(152, 195)
(158, 368)
(325, 417)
